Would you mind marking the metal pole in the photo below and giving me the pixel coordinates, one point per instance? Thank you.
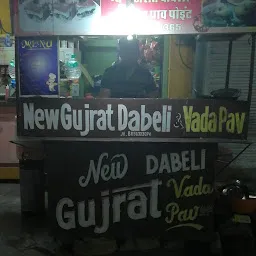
(198, 85)
(230, 48)
(251, 77)
(17, 78)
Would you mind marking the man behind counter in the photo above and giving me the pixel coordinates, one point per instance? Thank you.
(127, 79)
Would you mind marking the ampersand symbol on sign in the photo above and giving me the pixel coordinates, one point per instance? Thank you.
(178, 123)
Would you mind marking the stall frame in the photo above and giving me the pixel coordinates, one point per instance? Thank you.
(37, 142)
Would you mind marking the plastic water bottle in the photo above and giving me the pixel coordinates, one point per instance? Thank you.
(10, 89)
(73, 71)
(11, 69)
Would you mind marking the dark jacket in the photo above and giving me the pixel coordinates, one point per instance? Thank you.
(128, 82)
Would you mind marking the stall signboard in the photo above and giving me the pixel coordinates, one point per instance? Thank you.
(122, 17)
(133, 118)
(38, 66)
(131, 189)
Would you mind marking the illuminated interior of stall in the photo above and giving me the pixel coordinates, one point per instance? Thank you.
(168, 58)
(170, 68)
(96, 53)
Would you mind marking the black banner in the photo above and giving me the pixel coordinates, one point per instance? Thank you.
(131, 189)
(133, 118)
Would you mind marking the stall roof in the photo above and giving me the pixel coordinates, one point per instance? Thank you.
(130, 17)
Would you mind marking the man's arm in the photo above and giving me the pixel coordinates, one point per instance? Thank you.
(105, 91)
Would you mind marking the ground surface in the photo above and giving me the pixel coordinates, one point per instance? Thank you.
(29, 236)
(16, 236)
(21, 236)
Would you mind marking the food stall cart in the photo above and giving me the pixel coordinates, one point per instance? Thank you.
(122, 167)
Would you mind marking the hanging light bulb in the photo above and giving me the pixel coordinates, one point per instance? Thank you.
(130, 37)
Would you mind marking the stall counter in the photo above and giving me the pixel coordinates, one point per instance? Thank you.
(152, 158)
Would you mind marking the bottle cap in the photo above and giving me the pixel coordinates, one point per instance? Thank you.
(12, 63)
(75, 65)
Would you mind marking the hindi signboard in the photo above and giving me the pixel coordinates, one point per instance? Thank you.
(131, 189)
(133, 118)
(39, 66)
(143, 17)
